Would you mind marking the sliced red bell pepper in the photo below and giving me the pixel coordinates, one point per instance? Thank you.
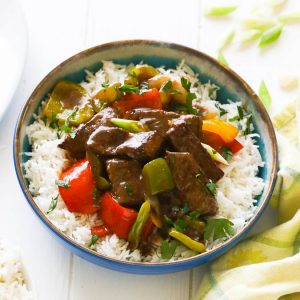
(149, 99)
(117, 219)
(235, 146)
(100, 230)
(214, 140)
(77, 186)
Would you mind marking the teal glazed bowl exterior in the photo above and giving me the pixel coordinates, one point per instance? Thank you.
(157, 54)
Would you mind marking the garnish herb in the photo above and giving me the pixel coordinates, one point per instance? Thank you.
(195, 215)
(211, 187)
(227, 152)
(62, 183)
(186, 84)
(218, 228)
(185, 209)
(95, 194)
(218, 11)
(180, 225)
(270, 35)
(189, 104)
(144, 85)
(128, 189)
(130, 89)
(167, 86)
(248, 125)
(240, 112)
(264, 95)
(54, 121)
(66, 126)
(221, 110)
(52, 205)
(168, 220)
(93, 241)
(167, 249)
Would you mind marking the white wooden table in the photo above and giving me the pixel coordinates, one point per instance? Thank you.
(58, 29)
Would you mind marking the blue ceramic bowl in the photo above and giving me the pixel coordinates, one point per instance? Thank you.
(156, 54)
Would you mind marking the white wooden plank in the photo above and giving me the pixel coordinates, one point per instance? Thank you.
(54, 34)
(173, 21)
(100, 283)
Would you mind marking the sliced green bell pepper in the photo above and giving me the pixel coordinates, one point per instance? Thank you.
(135, 233)
(157, 177)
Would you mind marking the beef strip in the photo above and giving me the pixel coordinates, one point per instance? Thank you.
(161, 120)
(125, 176)
(111, 141)
(77, 145)
(155, 119)
(184, 140)
(190, 182)
(193, 123)
(106, 140)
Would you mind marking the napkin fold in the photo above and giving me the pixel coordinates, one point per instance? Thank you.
(267, 265)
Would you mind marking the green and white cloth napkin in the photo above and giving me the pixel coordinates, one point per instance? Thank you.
(267, 266)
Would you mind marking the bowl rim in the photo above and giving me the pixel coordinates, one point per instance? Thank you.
(202, 257)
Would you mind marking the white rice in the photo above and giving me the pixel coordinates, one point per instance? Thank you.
(235, 194)
(13, 284)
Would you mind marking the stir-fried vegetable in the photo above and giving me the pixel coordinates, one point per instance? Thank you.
(129, 125)
(139, 224)
(157, 176)
(214, 154)
(117, 219)
(78, 192)
(100, 231)
(65, 96)
(101, 182)
(149, 99)
(109, 94)
(138, 74)
(187, 241)
(226, 131)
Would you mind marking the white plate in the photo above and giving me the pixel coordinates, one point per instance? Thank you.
(13, 47)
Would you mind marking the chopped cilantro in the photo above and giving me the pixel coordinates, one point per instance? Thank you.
(248, 125)
(211, 188)
(185, 209)
(180, 225)
(222, 111)
(218, 228)
(227, 152)
(130, 89)
(195, 215)
(241, 112)
(54, 121)
(95, 194)
(93, 241)
(167, 248)
(186, 84)
(63, 183)
(189, 104)
(52, 205)
(167, 86)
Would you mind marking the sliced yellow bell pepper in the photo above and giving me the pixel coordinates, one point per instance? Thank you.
(187, 241)
(225, 130)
